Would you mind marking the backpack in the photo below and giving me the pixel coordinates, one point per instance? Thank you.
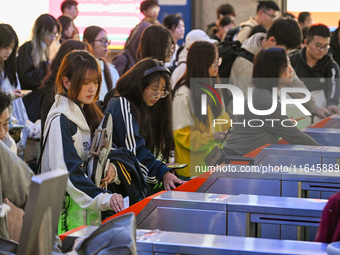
(234, 31)
(228, 50)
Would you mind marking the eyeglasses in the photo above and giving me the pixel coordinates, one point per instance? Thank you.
(155, 93)
(319, 47)
(217, 62)
(104, 42)
(272, 16)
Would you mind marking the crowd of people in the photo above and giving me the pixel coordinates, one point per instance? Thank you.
(56, 88)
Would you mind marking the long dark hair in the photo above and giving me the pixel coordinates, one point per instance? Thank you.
(65, 22)
(201, 56)
(75, 66)
(64, 49)
(43, 27)
(269, 63)
(156, 42)
(90, 35)
(155, 122)
(8, 36)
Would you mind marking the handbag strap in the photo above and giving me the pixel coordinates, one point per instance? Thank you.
(44, 144)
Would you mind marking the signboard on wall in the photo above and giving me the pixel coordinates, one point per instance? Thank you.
(117, 17)
(179, 7)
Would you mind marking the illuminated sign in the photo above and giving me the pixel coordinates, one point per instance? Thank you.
(325, 12)
(117, 17)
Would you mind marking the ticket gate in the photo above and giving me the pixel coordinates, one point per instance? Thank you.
(238, 179)
(273, 217)
(171, 243)
(311, 158)
(150, 242)
(324, 136)
(271, 181)
(235, 215)
(190, 212)
(332, 122)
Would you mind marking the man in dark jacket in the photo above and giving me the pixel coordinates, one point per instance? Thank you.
(316, 68)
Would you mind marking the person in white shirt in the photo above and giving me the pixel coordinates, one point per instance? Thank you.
(97, 38)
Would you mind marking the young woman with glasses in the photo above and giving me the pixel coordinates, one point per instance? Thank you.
(141, 111)
(33, 61)
(194, 134)
(97, 38)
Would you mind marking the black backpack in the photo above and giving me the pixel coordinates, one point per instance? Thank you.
(234, 31)
(228, 50)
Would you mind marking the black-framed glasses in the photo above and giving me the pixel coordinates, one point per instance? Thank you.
(321, 47)
(104, 42)
(272, 16)
(155, 93)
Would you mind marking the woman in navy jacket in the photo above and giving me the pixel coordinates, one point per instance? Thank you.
(141, 113)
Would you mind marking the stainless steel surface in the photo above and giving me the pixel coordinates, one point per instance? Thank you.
(334, 248)
(334, 122)
(297, 182)
(188, 243)
(246, 186)
(68, 241)
(42, 212)
(274, 217)
(324, 136)
(298, 155)
(243, 181)
(277, 205)
(186, 220)
(186, 212)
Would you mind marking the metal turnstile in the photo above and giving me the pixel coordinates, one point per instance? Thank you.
(188, 212)
(334, 122)
(268, 217)
(313, 158)
(237, 179)
(272, 181)
(171, 243)
(241, 215)
(324, 136)
(151, 242)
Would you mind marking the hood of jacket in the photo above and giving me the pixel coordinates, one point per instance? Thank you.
(253, 43)
(71, 110)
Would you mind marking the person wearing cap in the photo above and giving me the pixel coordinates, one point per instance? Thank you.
(192, 36)
(150, 9)
(266, 13)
